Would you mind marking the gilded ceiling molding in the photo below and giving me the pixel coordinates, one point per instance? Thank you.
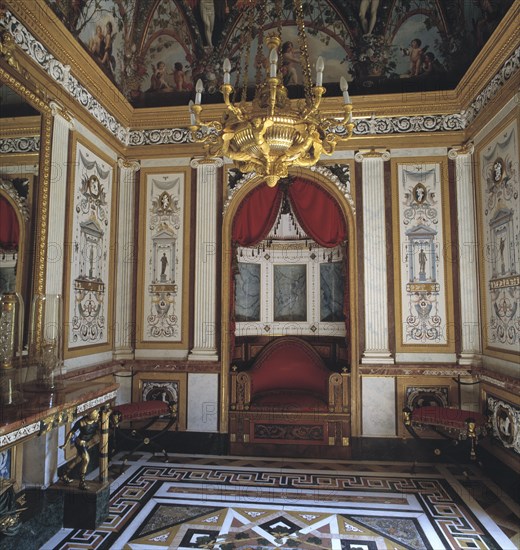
(8, 48)
(373, 126)
(507, 71)
(60, 73)
(20, 145)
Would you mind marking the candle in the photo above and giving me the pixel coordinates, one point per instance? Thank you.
(199, 88)
(227, 69)
(320, 66)
(344, 88)
(273, 60)
(193, 121)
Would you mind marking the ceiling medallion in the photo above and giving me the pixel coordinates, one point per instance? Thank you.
(272, 133)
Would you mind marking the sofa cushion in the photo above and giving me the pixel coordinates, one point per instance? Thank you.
(288, 401)
(289, 364)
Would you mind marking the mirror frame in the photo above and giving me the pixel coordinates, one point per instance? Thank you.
(12, 74)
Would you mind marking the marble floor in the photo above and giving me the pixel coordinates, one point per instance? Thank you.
(232, 503)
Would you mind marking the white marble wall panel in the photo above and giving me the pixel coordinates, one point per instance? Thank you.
(378, 409)
(202, 402)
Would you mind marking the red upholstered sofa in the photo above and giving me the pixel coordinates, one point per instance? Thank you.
(289, 402)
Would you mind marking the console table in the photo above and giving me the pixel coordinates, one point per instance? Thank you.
(40, 411)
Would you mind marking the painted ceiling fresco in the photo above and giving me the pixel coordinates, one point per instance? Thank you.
(154, 50)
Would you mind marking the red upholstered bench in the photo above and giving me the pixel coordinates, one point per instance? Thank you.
(143, 409)
(463, 424)
(149, 411)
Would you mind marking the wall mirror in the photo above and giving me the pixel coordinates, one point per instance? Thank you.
(25, 129)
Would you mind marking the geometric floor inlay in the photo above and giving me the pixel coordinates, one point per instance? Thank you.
(160, 505)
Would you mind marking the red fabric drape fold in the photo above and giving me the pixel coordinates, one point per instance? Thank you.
(9, 228)
(318, 213)
(256, 215)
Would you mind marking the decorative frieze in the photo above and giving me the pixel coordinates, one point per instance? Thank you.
(20, 145)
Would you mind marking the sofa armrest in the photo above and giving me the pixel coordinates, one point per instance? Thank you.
(338, 392)
(240, 390)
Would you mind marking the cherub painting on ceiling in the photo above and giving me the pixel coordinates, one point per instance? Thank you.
(154, 50)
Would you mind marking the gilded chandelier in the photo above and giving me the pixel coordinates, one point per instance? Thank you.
(272, 133)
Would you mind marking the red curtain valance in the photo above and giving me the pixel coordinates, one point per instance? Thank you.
(9, 228)
(317, 212)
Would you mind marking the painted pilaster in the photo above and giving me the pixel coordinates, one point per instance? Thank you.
(471, 348)
(374, 253)
(124, 327)
(204, 344)
(62, 125)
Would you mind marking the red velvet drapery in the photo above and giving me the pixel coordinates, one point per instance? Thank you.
(256, 215)
(317, 212)
(9, 228)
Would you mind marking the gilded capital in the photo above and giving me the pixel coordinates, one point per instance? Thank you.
(125, 164)
(363, 154)
(200, 161)
(467, 149)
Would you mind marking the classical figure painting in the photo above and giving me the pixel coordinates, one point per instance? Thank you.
(154, 51)
(424, 316)
(162, 269)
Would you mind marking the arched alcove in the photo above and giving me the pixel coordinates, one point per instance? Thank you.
(340, 193)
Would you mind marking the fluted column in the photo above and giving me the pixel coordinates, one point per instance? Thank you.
(123, 325)
(62, 125)
(204, 345)
(374, 253)
(470, 345)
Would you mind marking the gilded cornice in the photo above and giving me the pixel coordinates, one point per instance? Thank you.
(28, 126)
(72, 74)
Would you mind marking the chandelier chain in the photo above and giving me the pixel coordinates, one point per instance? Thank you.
(249, 39)
(304, 52)
(260, 57)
